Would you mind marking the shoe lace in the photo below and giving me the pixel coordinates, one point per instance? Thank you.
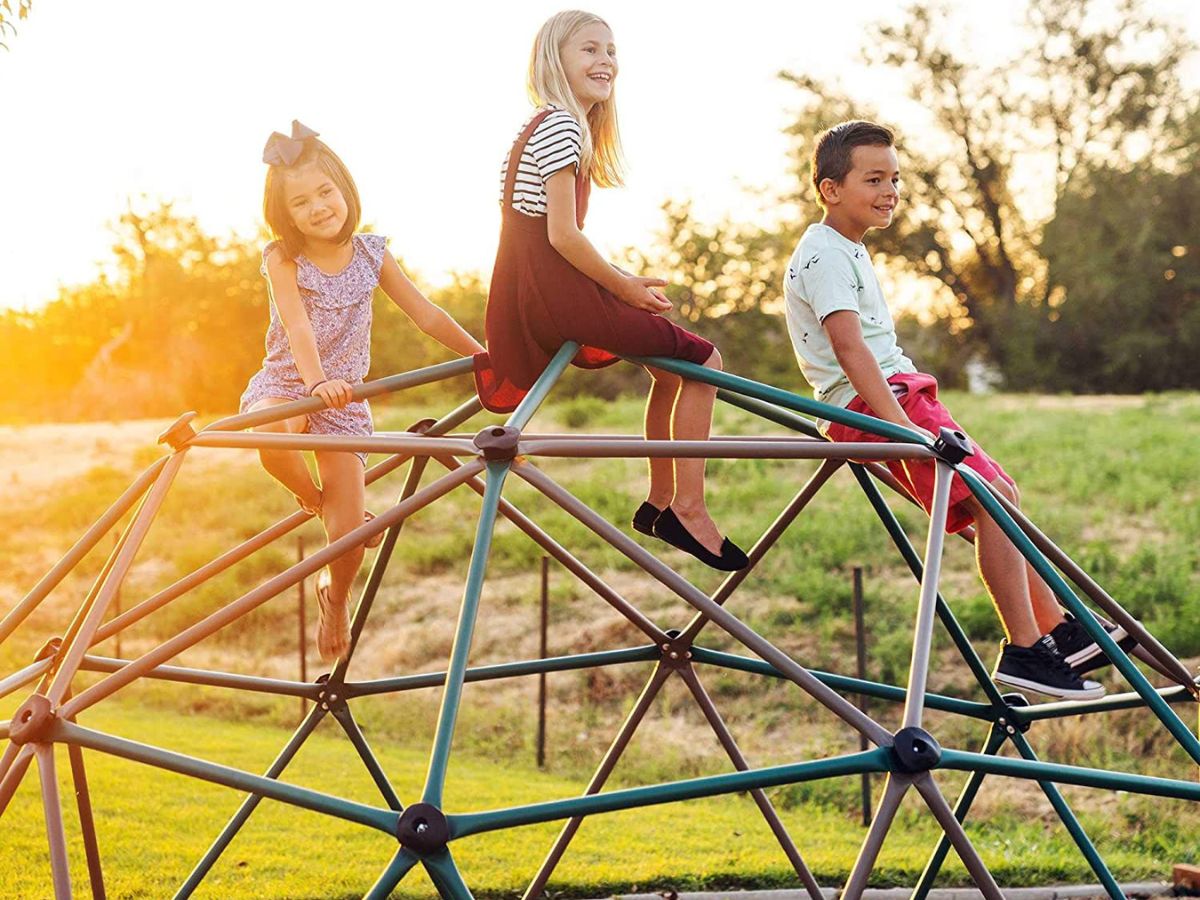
(1056, 663)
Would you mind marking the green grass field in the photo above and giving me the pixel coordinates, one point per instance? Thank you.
(1112, 480)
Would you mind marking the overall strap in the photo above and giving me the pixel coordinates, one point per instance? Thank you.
(514, 155)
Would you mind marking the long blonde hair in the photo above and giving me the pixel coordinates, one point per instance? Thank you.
(602, 159)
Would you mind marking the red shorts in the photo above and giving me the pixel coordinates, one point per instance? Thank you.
(919, 401)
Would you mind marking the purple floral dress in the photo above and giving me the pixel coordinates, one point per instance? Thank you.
(339, 308)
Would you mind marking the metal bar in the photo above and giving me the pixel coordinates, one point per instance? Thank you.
(1168, 664)
(532, 400)
(380, 442)
(569, 561)
(503, 670)
(918, 670)
(79, 549)
(900, 539)
(60, 868)
(638, 448)
(211, 679)
(698, 599)
(704, 701)
(961, 807)
(446, 877)
(860, 672)
(87, 822)
(768, 540)
(845, 684)
(1061, 709)
(958, 837)
(381, 819)
(22, 677)
(771, 413)
(1062, 774)
(1082, 841)
(302, 626)
(345, 718)
(543, 627)
(13, 767)
(466, 824)
(131, 542)
(893, 792)
(265, 591)
(399, 866)
(1067, 597)
(249, 804)
(649, 691)
(387, 385)
(435, 779)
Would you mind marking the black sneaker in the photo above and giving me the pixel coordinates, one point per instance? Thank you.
(1082, 653)
(1040, 668)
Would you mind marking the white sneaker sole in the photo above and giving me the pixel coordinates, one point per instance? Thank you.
(1093, 649)
(1093, 693)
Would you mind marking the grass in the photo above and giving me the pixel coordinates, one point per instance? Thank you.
(1112, 480)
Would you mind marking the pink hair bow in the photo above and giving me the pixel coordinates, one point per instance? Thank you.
(282, 150)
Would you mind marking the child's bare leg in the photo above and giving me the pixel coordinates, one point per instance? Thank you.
(692, 422)
(341, 513)
(660, 405)
(1005, 575)
(288, 466)
(1046, 610)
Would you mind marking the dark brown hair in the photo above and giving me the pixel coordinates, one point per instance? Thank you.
(275, 209)
(831, 156)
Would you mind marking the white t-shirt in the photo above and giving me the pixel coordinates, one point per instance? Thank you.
(556, 143)
(828, 273)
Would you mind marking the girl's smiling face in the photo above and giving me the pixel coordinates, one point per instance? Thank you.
(316, 205)
(589, 58)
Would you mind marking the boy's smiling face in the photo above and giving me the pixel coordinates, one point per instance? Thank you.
(867, 197)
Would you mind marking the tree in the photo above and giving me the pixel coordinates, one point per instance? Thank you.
(6, 17)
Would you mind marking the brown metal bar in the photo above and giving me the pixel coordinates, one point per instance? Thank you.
(266, 591)
(893, 792)
(398, 442)
(13, 764)
(60, 868)
(87, 823)
(657, 678)
(729, 449)
(22, 677)
(688, 674)
(958, 837)
(829, 698)
(79, 550)
(569, 561)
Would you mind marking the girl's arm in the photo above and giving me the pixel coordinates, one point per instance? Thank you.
(282, 275)
(569, 241)
(429, 317)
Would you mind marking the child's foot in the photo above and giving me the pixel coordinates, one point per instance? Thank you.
(1081, 652)
(731, 558)
(333, 622)
(645, 517)
(1040, 668)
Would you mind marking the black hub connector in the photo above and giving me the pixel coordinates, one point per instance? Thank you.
(421, 426)
(31, 722)
(49, 649)
(499, 442)
(952, 446)
(1009, 723)
(423, 829)
(180, 432)
(916, 750)
(675, 654)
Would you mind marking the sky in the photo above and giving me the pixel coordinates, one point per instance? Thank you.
(110, 99)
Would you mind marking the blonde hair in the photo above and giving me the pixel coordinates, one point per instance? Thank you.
(601, 159)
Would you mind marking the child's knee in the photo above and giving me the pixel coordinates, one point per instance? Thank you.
(1008, 490)
(715, 361)
(663, 378)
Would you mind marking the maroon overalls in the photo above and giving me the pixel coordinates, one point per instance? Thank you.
(538, 300)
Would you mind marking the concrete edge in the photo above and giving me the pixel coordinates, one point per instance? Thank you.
(1143, 889)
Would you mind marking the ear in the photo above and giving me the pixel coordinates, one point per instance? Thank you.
(831, 191)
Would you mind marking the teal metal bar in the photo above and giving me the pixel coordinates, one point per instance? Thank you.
(392, 875)
(1060, 774)
(1067, 597)
(949, 622)
(505, 670)
(963, 805)
(345, 718)
(771, 413)
(381, 819)
(211, 679)
(446, 877)
(530, 403)
(845, 684)
(465, 824)
(1082, 841)
(435, 779)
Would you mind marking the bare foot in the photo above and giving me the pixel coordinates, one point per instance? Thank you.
(701, 526)
(333, 621)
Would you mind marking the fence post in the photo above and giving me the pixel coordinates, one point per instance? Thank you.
(861, 670)
(541, 727)
(303, 625)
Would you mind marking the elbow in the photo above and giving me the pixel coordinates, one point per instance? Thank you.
(561, 238)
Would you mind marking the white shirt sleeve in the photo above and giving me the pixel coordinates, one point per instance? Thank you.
(828, 282)
(556, 143)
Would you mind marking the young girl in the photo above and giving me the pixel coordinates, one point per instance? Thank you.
(321, 276)
(550, 285)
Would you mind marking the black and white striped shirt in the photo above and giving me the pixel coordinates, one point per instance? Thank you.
(556, 143)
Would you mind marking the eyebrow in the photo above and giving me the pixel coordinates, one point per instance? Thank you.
(881, 172)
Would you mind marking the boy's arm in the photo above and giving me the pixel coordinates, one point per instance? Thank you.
(426, 315)
(861, 368)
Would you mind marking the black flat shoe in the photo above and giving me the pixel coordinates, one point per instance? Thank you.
(645, 517)
(670, 529)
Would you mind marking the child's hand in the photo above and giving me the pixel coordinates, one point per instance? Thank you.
(335, 393)
(642, 293)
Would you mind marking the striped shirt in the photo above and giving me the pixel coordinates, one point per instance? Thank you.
(555, 144)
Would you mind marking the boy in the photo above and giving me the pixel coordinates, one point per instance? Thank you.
(845, 343)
